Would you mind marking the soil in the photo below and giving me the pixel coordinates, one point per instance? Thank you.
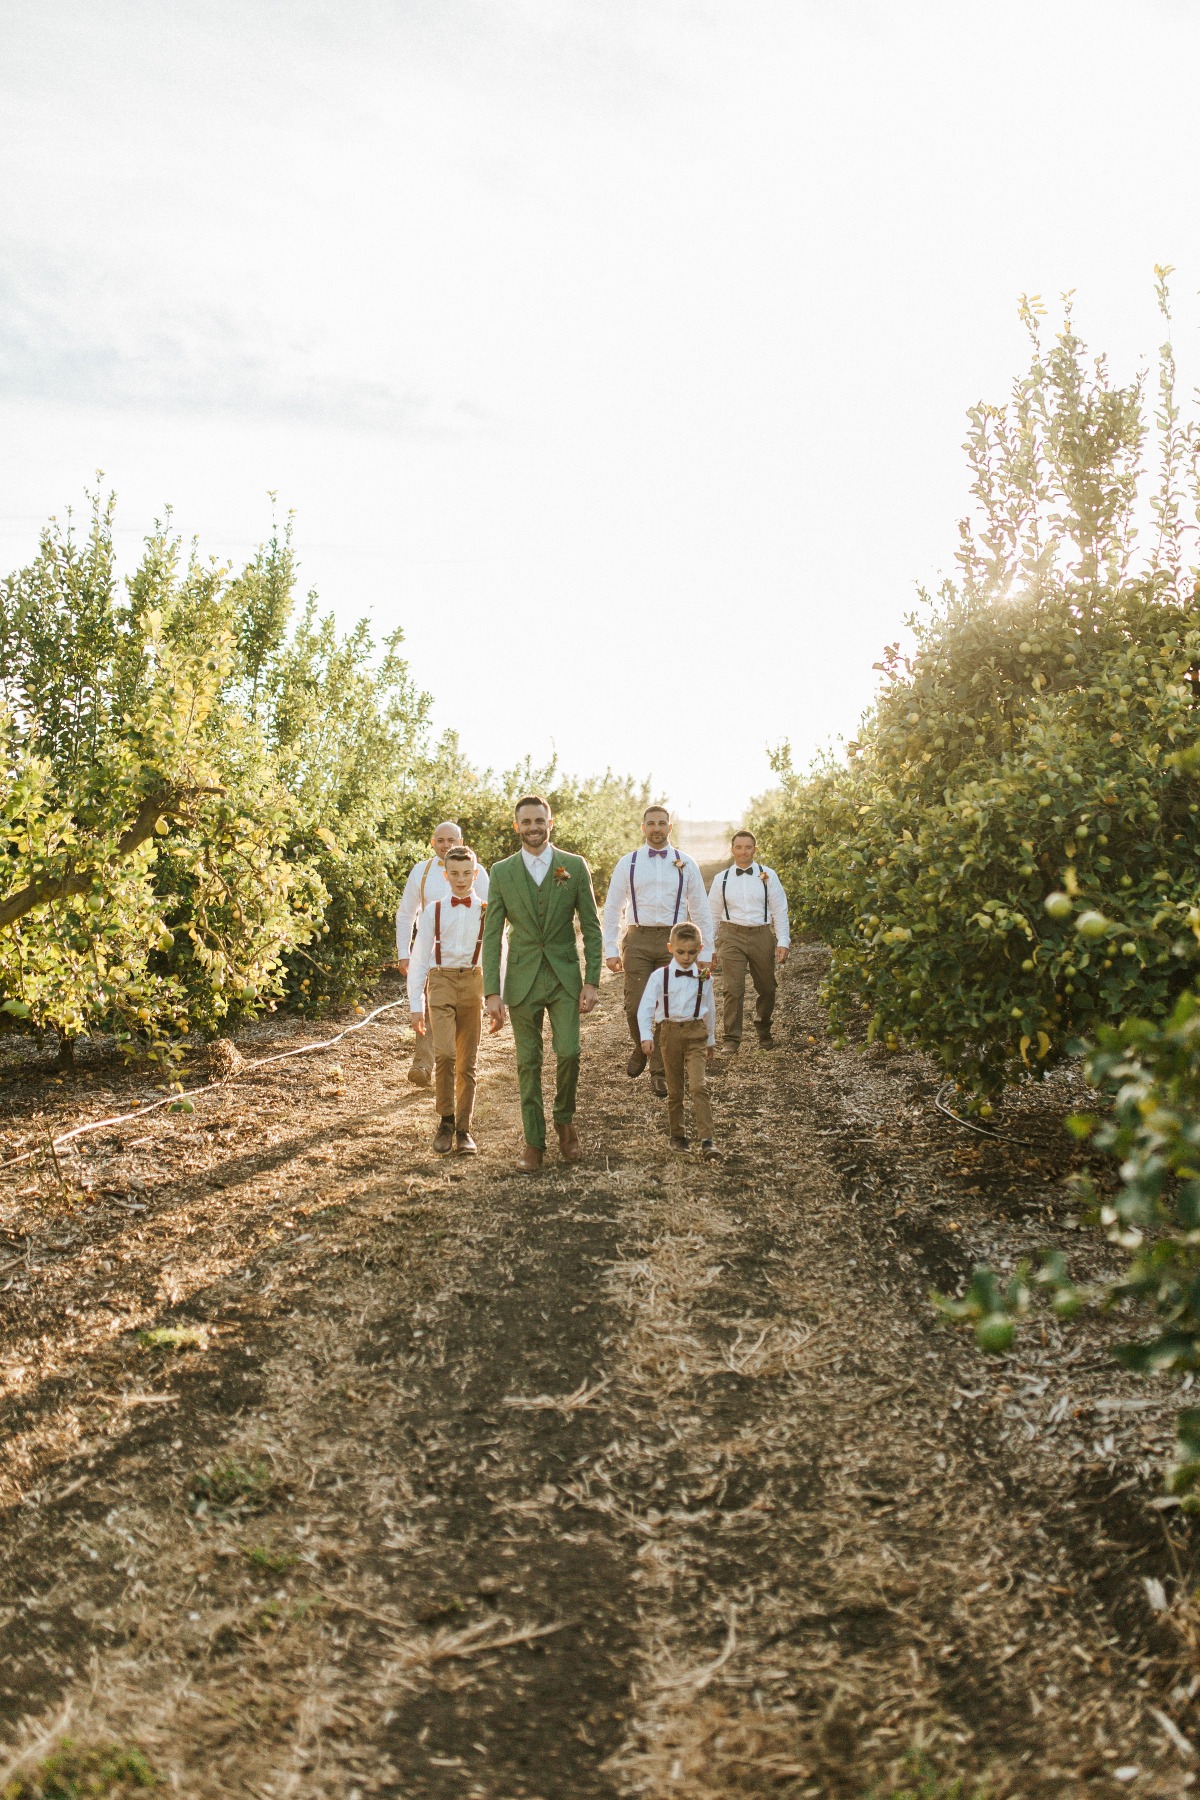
(648, 1477)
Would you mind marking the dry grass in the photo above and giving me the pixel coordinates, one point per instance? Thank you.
(742, 1535)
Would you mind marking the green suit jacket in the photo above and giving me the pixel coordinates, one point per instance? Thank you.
(541, 925)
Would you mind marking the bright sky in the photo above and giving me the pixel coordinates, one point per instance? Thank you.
(617, 349)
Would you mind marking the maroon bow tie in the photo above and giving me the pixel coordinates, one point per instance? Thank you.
(743, 871)
(658, 853)
(455, 901)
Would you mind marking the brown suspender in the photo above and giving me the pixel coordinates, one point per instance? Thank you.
(667, 993)
(766, 899)
(437, 934)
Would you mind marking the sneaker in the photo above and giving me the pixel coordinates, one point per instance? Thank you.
(709, 1150)
(679, 1143)
(443, 1143)
(420, 1077)
(465, 1144)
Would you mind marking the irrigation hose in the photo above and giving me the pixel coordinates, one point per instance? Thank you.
(191, 1093)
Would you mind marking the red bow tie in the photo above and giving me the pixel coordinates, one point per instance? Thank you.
(455, 901)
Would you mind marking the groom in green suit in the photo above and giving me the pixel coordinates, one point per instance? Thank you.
(539, 892)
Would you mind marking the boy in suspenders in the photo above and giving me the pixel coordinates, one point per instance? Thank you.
(751, 911)
(426, 884)
(444, 977)
(678, 1001)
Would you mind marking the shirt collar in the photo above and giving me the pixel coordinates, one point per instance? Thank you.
(542, 856)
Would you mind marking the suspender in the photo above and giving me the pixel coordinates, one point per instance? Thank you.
(424, 879)
(766, 897)
(437, 934)
(633, 892)
(667, 994)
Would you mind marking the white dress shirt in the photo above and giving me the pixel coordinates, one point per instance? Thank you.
(539, 865)
(459, 941)
(656, 896)
(754, 896)
(684, 982)
(433, 873)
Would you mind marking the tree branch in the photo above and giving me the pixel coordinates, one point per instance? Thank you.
(151, 810)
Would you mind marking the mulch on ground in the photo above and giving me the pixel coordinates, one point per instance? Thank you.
(648, 1477)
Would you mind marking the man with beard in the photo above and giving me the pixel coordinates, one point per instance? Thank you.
(539, 893)
(657, 887)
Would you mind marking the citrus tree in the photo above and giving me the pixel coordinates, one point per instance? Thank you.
(1009, 855)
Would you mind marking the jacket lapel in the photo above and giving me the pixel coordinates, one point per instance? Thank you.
(524, 888)
(557, 888)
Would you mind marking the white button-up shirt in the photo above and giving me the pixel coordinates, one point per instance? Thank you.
(539, 865)
(459, 938)
(652, 1009)
(645, 890)
(433, 874)
(751, 897)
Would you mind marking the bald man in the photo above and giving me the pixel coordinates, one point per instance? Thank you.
(426, 884)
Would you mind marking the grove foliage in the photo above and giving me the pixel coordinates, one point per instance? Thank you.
(210, 797)
(1036, 740)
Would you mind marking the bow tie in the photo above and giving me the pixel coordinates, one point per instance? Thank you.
(749, 871)
(685, 974)
(658, 853)
(455, 901)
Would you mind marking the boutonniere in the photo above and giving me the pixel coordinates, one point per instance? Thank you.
(679, 864)
(762, 876)
(562, 873)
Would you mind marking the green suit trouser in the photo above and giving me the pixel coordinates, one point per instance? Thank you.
(547, 995)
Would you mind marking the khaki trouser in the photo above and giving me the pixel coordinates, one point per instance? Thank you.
(644, 948)
(742, 949)
(454, 998)
(422, 1056)
(684, 1043)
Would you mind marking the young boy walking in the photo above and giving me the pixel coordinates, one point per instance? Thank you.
(444, 971)
(678, 1000)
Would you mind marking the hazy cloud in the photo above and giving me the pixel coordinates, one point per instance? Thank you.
(70, 336)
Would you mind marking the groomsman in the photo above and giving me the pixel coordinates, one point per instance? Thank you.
(653, 888)
(427, 883)
(751, 910)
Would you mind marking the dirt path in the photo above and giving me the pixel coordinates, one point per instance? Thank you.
(644, 1478)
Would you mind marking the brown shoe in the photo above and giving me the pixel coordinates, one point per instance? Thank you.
(568, 1143)
(420, 1077)
(680, 1143)
(530, 1160)
(658, 1085)
(443, 1143)
(709, 1151)
(465, 1144)
(636, 1063)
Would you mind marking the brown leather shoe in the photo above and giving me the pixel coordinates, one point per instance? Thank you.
(420, 1077)
(443, 1143)
(569, 1147)
(680, 1143)
(465, 1144)
(658, 1085)
(636, 1063)
(530, 1160)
